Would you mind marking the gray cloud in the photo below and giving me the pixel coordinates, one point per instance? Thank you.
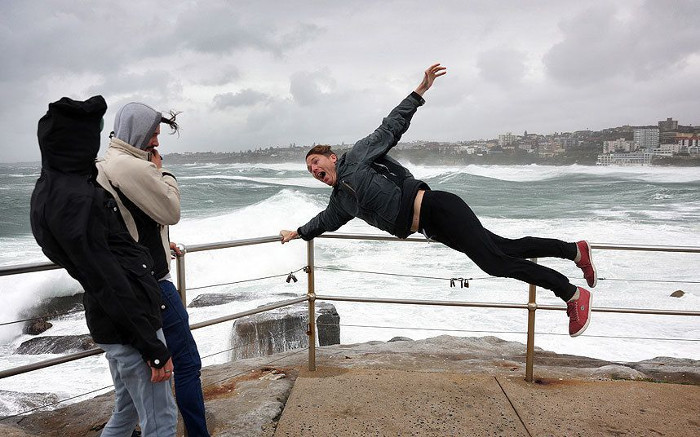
(504, 66)
(246, 97)
(268, 72)
(221, 28)
(603, 43)
(310, 88)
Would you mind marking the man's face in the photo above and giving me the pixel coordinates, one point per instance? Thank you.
(322, 167)
(153, 143)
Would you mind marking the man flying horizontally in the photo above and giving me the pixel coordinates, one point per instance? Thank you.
(370, 185)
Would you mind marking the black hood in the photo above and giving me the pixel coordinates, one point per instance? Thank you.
(69, 134)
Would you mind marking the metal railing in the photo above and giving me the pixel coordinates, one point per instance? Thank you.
(311, 295)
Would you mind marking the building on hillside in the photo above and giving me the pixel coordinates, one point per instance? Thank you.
(634, 158)
(619, 145)
(669, 125)
(507, 139)
(646, 138)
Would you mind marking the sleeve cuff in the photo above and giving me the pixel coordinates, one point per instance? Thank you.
(418, 97)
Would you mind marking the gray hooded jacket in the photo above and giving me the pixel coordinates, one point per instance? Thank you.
(135, 124)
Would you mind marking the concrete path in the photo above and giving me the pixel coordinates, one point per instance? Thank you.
(370, 402)
(442, 386)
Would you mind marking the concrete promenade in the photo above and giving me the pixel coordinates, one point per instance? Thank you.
(441, 386)
(372, 402)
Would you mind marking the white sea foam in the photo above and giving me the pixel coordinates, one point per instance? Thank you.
(534, 172)
(286, 182)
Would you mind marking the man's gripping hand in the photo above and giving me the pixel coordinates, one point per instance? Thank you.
(287, 236)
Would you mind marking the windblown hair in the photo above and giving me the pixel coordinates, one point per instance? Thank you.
(174, 127)
(320, 149)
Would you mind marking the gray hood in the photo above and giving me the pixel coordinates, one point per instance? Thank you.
(135, 124)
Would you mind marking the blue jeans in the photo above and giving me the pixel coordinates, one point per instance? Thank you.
(136, 399)
(186, 361)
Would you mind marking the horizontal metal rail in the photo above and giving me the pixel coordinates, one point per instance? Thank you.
(232, 243)
(260, 309)
(43, 266)
(525, 306)
(311, 296)
(96, 351)
(605, 246)
(48, 363)
(27, 268)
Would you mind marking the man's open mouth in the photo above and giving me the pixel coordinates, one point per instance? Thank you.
(322, 175)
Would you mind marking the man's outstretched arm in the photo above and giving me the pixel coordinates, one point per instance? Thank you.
(393, 126)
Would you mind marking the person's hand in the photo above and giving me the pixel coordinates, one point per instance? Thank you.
(162, 374)
(175, 248)
(434, 71)
(156, 158)
(288, 236)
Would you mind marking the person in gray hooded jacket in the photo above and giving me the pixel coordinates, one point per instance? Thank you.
(370, 185)
(149, 200)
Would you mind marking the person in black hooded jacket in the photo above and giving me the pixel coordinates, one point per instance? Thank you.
(78, 226)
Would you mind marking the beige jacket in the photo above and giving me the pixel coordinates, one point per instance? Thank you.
(154, 191)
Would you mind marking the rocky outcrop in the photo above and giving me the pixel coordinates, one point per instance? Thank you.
(281, 330)
(50, 308)
(36, 326)
(213, 299)
(23, 401)
(56, 344)
(246, 397)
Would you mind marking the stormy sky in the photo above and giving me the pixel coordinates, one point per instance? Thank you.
(250, 74)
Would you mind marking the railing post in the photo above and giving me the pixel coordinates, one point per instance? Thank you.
(180, 266)
(530, 353)
(311, 294)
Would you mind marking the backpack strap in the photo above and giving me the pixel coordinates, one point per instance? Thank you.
(105, 183)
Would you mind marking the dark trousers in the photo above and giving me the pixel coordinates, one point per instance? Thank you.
(446, 218)
(186, 361)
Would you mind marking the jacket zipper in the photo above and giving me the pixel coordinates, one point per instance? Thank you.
(350, 188)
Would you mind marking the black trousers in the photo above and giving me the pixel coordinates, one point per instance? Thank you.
(446, 218)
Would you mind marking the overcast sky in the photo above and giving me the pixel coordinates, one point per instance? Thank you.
(250, 74)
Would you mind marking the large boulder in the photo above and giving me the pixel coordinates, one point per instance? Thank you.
(213, 299)
(50, 308)
(283, 329)
(36, 326)
(56, 344)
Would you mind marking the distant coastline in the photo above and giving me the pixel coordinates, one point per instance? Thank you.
(430, 155)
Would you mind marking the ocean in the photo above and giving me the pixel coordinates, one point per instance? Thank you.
(612, 205)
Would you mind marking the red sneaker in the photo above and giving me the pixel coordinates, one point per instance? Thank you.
(585, 263)
(579, 312)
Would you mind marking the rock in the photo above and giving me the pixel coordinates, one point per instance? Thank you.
(50, 308)
(213, 299)
(56, 344)
(56, 306)
(616, 371)
(36, 326)
(668, 369)
(281, 330)
(327, 325)
(678, 293)
(400, 339)
(24, 401)
(246, 398)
